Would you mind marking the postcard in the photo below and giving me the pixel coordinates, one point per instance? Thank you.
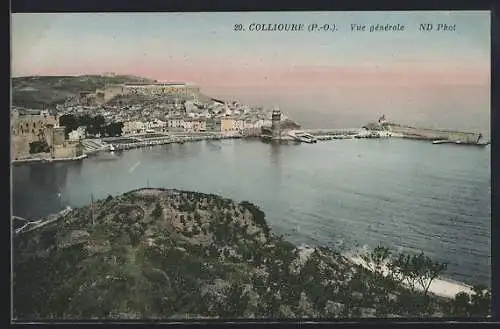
(251, 165)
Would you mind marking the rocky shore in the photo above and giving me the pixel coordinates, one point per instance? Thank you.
(158, 253)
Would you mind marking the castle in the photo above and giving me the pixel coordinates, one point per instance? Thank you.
(39, 127)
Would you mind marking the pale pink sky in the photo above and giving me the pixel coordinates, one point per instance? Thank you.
(263, 67)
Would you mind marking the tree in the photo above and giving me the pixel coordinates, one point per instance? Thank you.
(157, 212)
(461, 304)
(197, 217)
(258, 216)
(237, 301)
(69, 122)
(480, 301)
(39, 147)
(114, 129)
(402, 270)
(426, 270)
(376, 259)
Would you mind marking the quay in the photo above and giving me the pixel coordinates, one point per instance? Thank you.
(48, 160)
(132, 142)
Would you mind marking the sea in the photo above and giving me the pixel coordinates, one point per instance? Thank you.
(347, 194)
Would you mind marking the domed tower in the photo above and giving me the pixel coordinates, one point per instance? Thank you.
(276, 122)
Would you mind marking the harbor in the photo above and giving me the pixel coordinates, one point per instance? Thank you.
(381, 129)
(280, 130)
(355, 190)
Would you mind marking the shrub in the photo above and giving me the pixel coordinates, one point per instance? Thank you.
(157, 212)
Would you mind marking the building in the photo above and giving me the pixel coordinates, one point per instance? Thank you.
(152, 89)
(199, 125)
(77, 134)
(133, 127)
(28, 128)
(276, 123)
(227, 124)
(175, 123)
(239, 124)
(194, 125)
(156, 125)
(212, 124)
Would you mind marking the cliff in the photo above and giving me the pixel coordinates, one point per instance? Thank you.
(154, 253)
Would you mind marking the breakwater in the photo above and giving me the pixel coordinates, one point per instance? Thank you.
(435, 134)
(334, 132)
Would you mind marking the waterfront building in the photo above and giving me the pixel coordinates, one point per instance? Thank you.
(276, 123)
(175, 122)
(227, 124)
(199, 125)
(133, 127)
(212, 124)
(195, 125)
(239, 124)
(156, 125)
(28, 127)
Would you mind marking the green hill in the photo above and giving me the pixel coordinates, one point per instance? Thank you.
(47, 91)
(155, 253)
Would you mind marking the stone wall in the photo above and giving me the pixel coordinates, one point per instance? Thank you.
(68, 149)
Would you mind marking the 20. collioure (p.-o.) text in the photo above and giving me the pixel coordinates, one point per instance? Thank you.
(288, 27)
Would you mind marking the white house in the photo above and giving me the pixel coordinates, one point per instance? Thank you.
(249, 124)
(156, 125)
(133, 127)
(188, 125)
(239, 124)
(77, 134)
(176, 122)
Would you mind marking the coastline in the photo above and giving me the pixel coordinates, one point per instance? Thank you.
(173, 139)
(320, 134)
(439, 287)
(48, 160)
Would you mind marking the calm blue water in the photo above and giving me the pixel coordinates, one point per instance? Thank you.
(347, 193)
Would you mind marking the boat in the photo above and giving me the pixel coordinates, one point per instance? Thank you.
(303, 137)
(307, 139)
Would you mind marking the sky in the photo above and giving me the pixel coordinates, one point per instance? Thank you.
(342, 76)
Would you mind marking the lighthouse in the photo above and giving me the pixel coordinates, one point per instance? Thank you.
(276, 123)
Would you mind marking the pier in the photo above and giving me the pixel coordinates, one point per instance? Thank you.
(334, 131)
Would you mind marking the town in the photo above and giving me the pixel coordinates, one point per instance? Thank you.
(137, 114)
(129, 114)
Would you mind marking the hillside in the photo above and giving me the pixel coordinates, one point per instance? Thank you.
(155, 253)
(41, 91)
